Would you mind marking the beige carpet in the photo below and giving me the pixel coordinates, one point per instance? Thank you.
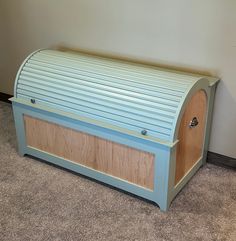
(41, 202)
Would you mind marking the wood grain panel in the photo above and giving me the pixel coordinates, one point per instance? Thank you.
(106, 156)
(190, 145)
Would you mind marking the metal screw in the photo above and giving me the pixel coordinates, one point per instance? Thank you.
(32, 101)
(144, 132)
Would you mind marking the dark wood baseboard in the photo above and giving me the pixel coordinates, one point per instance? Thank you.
(5, 97)
(221, 160)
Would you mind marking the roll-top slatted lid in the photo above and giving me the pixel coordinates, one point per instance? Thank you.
(130, 96)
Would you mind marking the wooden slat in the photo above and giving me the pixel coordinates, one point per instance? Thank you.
(109, 157)
(190, 145)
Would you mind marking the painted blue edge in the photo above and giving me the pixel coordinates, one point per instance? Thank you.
(161, 178)
(211, 97)
(20, 130)
(102, 177)
(88, 121)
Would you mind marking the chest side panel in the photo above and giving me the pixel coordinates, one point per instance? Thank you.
(191, 138)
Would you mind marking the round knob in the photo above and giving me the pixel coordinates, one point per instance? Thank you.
(144, 132)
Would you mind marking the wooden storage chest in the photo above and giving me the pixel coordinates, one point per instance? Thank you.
(140, 128)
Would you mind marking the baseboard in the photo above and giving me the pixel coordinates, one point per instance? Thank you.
(221, 160)
(5, 97)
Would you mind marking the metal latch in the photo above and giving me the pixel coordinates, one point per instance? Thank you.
(194, 122)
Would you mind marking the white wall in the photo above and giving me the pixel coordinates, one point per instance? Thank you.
(186, 34)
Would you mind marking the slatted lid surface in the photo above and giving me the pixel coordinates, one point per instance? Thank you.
(131, 96)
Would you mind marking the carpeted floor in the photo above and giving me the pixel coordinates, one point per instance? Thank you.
(41, 202)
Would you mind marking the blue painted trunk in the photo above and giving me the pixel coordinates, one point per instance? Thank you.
(132, 104)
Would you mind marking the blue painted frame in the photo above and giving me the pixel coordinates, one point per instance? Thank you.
(161, 192)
